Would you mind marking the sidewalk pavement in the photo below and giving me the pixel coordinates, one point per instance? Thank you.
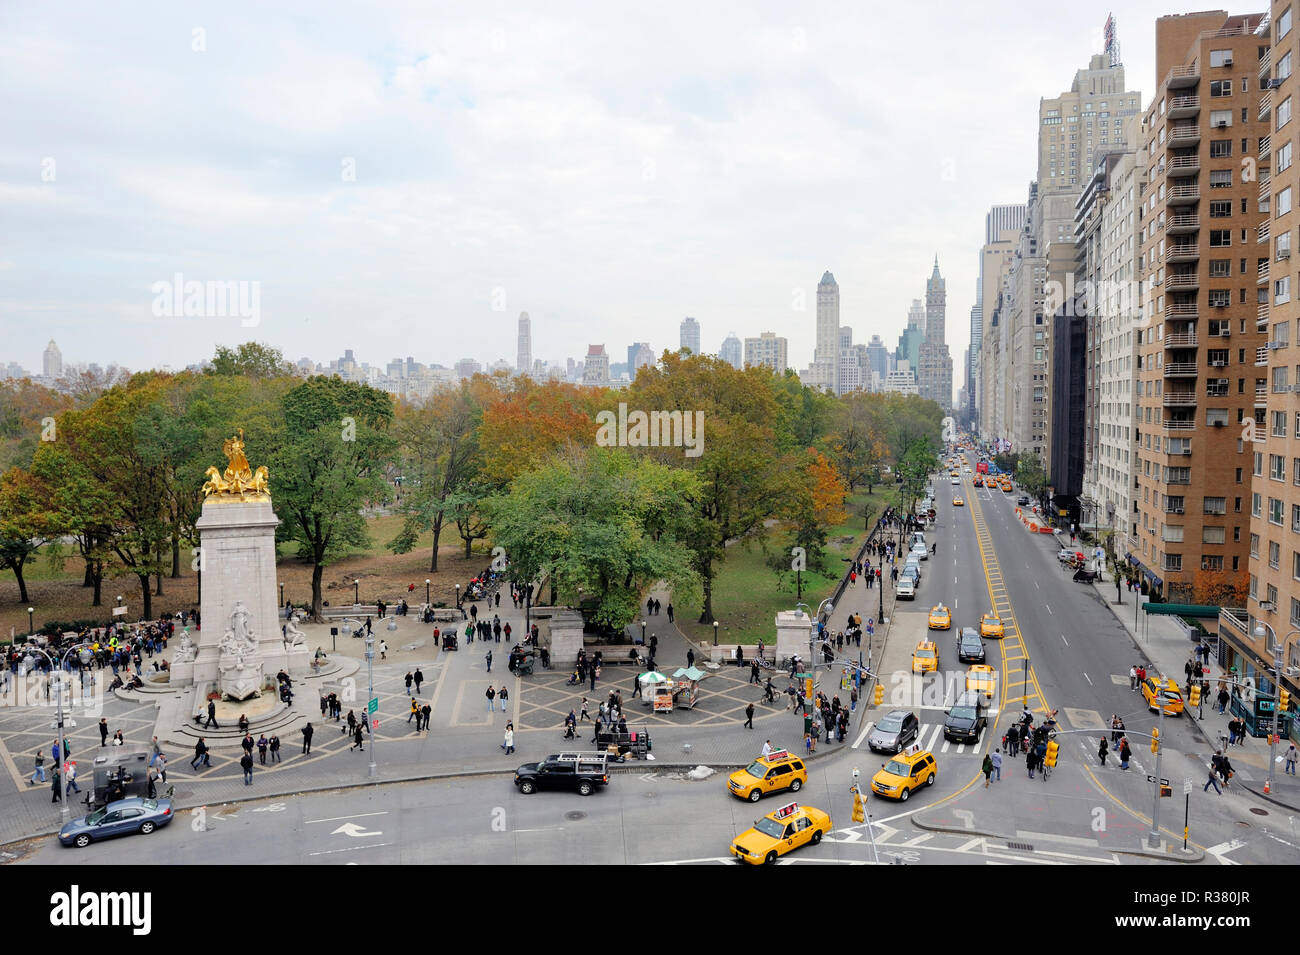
(1164, 646)
(465, 738)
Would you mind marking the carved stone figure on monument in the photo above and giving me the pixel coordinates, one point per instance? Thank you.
(185, 652)
(242, 631)
(293, 637)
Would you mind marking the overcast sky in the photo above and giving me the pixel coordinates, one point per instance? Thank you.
(404, 179)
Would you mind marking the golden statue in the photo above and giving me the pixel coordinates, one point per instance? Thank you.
(239, 482)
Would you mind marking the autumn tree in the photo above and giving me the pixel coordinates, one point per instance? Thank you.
(526, 422)
(26, 522)
(812, 503)
(856, 440)
(249, 360)
(739, 470)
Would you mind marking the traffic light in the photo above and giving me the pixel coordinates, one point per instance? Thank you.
(858, 814)
(1049, 758)
(1195, 698)
(1283, 699)
(1155, 740)
(878, 696)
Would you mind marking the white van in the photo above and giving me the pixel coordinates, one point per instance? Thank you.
(906, 588)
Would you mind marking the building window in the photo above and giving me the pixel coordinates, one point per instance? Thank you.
(1284, 157)
(1283, 112)
(1284, 201)
(1212, 562)
(1221, 118)
(1274, 554)
(1220, 268)
(1284, 23)
(1276, 467)
(1220, 238)
(1220, 87)
(1254, 545)
(1221, 209)
(1218, 505)
(1220, 57)
(1275, 511)
(1279, 426)
(1283, 67)
(1256, 507)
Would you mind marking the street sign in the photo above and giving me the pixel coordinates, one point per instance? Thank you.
(1187, 785)
(119, 611)
(373, 705)
(1163, 782)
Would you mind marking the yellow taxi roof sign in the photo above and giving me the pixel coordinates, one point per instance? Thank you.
(786, 811)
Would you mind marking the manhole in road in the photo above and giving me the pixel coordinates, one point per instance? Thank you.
(575, 815)
(1259, 812)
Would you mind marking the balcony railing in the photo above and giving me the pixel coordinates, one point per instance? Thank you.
(1265, 104)
(1180, 107)
(1184, 165)
(1178, 424)
(1261, 357)
(1265, 188)
(1262, 233)
(1262, 277)
(1261, 314)
(1265, 147)
(1189, 280)
(1180, 369)
(1181, 340)
(1182, 253)
(1184, 223)
(1182, 194)
(1265, 63)
(1184, 134)
(1261, 396)
(1177, 399)
(1238, 619)
(1183, 76)
(1182, 310)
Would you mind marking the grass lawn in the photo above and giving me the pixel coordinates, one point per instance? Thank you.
(747, 594)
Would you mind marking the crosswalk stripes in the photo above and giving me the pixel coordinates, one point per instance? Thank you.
(930, 737)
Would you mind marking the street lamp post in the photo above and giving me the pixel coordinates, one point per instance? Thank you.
(1278, 647)
(458, 596)
(427, 581)
(84, 656)
(715, 633)
(119, 600)
(643, 643)
(281, 595)
(812, 653)
(356, 592)
(370, 672)
(31, 616)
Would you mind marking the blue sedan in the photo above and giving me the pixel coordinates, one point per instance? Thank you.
(117, 819)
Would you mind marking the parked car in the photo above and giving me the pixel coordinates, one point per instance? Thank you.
(580, 772)
(121, 818)
(906, 588)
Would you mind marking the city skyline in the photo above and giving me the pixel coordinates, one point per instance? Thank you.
(381, 183)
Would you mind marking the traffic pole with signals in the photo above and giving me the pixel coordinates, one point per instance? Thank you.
(878, 695)
(1049, 758)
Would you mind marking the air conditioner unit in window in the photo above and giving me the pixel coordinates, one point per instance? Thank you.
(1227, 61)
(1220, 125)
(1224, 332)
(1178, 510)
(1185, 451)
(1219, 424)
(1218, 364)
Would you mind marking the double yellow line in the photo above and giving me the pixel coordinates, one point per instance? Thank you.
(1014, 649)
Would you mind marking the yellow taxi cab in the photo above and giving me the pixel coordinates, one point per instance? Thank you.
(779, 832)
(907, 771)
(978, 482)
(958, 502)
(1173, 697)
(982, 679)
(1006, 487)
(940, 618)
(954, 473)
(772, 773)
(991, 625)
(925, 658)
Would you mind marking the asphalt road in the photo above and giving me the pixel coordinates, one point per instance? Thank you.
(1083, 815)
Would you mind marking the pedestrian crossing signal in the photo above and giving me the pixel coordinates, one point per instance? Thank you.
(858, 814)
(878, 695)
(1049, 758)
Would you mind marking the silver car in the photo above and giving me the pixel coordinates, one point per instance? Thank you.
(896, 730)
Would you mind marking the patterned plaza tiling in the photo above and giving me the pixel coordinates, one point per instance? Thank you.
(545, 698)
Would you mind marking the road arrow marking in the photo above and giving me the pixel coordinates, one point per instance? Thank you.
(353, 830)
(1225, 847)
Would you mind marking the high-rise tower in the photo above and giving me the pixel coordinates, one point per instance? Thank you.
(524, 364)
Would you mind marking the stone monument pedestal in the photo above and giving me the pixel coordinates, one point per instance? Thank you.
(793, 630)
(565, 631)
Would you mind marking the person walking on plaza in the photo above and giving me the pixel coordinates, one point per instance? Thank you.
(415, 713)
(1133, 678)
(71, 769)
(409, 680)
(503, 697)
(1223, 698)
(1125, 753)
(491, 695)
(39, 765)
(419, 678)
(1101, 751)
(690, 657)
(103, 732)
(54, 785)
(246, 764)
(749, 716)
(306, 739)
(489, 661)
(997, 765)
(583, 710)
(261, 749)
(753, 672)
(383, 649)
(200, 754)
(357, 740)
(275, 753)
(670, 613)
(212, 716)
(1292, 756)
(987, 769)
(508, 743)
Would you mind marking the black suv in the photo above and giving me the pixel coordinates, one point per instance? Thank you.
(970, 648)
(966, 720)
(580, 772)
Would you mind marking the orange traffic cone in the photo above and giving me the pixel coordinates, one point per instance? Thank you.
(1266, 789)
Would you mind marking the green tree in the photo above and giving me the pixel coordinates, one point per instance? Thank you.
(599, 523)
(26, 522)
(329, 465)
(1030, 474)
(250, 360)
